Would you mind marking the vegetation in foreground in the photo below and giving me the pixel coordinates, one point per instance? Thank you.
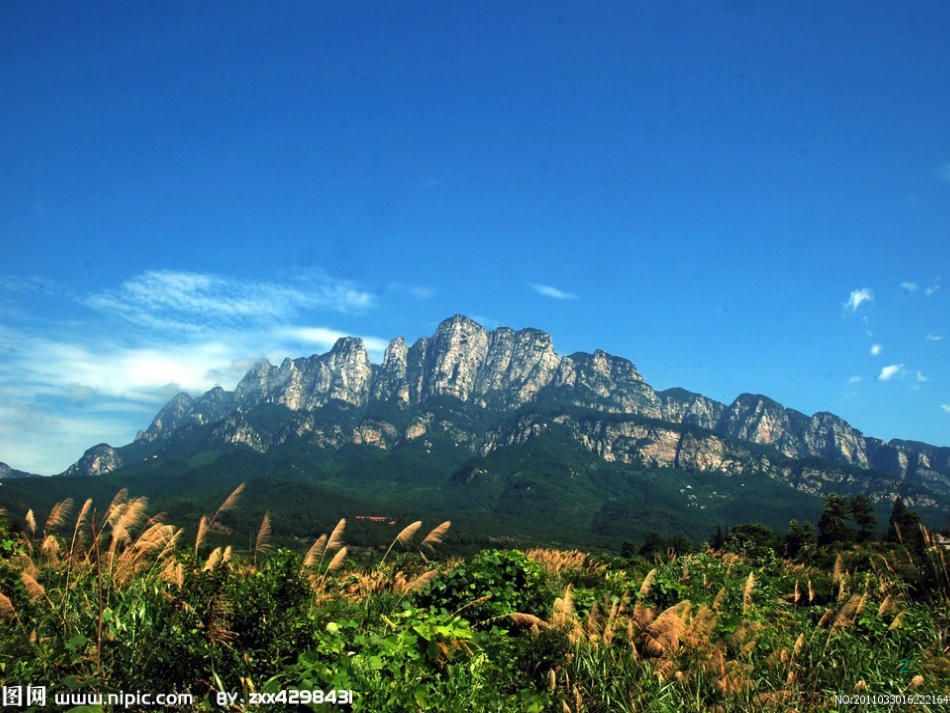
(120, 601)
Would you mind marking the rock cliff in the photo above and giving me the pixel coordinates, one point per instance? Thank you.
(512, 385)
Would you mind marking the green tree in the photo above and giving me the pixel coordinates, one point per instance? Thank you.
(833, 525)
(862, 514)
(904, 526)
(801, 540)
(752, 540)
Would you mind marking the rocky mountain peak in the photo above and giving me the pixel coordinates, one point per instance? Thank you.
(502, 370)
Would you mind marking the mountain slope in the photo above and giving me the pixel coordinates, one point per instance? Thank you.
(467, 382)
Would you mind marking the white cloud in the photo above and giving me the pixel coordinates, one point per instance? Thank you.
(945, 407)
(933, 337)
(920, 376)
(932, 290)
(70, 383)
(875, 349)
(547, 291)
(909, 287)
(324, 339)
(854, 380)
(889, 372)
(865, 294)
(189, 301)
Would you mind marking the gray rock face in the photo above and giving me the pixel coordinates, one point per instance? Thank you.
(98, 460)
(689, 409)
(503, 370)
(182, 410)
(602, 381)
(344, 374)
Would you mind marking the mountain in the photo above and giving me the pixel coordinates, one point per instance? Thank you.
(8, 472)
(484, 391)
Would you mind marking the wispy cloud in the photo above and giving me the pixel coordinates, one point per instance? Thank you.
(166, 299)
(889, 372)
(945, 407)
(85, 378)
(323, 339)
(875, 349)
(909, 287)
(854, 380)
(920, 376)
(553, 292)
(933, 337)
(858, 297)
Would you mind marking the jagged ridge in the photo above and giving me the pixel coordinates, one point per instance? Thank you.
(502, 371)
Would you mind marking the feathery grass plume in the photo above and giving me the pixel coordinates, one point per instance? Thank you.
(862, 603)
(128, 516)
(80, 523)
(262, 542)
(58, 514)
(419, 582)
(811, 592)
(115, 507)
(702, 626)
(799, 642)
(886, 605)
(528, 620)
(30, 522)
(336, 536)
(408, 532)
(897, 621)
(555, 562)
(173, 573)
(824, 618)
(592, 622)
(24, 563)
(839, 571)
(647, 583)
(666, 631)
(734, 680)
(156, 542)
(337, 560)
(403, 538)
(212, 560)
(435, 537)
(34, 590)
(562, 613)
(719, 599)
(7, 610)
(50, 549)
(230, 502)
(218, 632)
(203, 524)
(316, 551)
(226, 557)
(796, 595)
(747, 592)
(847, 613)
(842, 589)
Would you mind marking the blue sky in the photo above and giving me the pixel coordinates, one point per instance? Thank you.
(737, 197)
